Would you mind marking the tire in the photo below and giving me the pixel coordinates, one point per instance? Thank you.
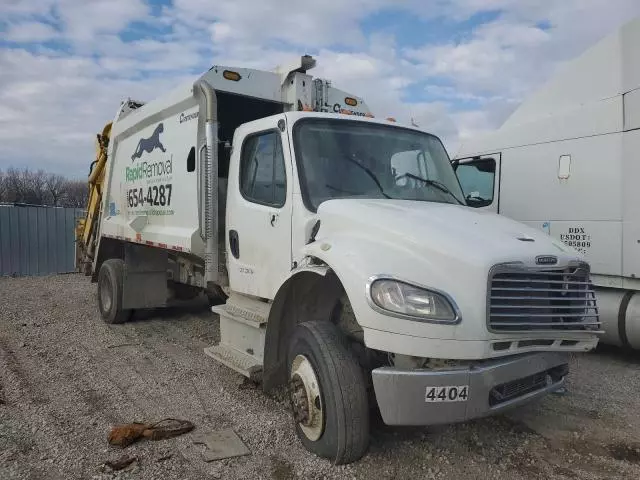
(344, 433)
(110, 284)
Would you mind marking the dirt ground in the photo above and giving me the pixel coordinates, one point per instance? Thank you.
(66, 377)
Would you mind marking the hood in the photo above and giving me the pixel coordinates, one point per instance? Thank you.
(443, 247)
(458, 231)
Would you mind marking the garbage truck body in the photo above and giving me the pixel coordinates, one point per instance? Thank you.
(339, 254)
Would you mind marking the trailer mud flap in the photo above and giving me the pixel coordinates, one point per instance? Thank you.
(145, 277)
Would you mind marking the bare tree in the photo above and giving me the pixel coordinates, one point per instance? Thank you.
(16, 189)
(25, 186)
(40, 188)
(37, 186)
(76, 194)
(3, 187)
(56, 186)
(27, 194)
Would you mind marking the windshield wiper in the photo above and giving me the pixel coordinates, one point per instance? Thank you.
(434, 183)
(370, 173)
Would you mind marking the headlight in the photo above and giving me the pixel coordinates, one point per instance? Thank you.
(407, 300)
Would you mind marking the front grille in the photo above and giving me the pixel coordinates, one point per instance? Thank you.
(522, 299)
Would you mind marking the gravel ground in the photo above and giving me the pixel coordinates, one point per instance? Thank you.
(66, 377)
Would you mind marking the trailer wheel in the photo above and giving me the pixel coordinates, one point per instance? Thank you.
(110, 281)
(327, 393)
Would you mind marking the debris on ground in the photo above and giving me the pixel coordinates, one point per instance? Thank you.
(125, 435)
(121, 463)
(221, 444)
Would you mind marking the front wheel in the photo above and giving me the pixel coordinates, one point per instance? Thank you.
(328, 393)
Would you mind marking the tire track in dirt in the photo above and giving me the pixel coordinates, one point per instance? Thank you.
(12, 374)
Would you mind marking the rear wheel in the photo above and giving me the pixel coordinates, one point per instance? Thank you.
(110, 283)
(328, 393)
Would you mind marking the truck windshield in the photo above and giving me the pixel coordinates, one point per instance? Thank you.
(350, 159)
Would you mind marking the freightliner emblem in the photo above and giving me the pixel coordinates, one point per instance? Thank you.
(546, 260)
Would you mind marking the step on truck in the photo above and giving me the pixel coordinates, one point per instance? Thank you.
(339, 254)
(567, 162)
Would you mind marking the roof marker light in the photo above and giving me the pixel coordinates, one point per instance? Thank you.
(229, 75)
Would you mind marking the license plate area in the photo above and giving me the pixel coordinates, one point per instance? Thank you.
(448, 393)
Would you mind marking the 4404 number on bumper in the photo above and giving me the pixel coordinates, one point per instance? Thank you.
(456, 393)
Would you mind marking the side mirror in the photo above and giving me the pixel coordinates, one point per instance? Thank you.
(487, 165)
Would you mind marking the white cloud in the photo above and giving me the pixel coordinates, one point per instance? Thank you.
(523, 46)
(50, 119)
(306, 24)
(30, 32)
(503, 61)
(52, 102)
(221, 32)
(83, 20)
(22, 8)
(500, 58)
(449, 93)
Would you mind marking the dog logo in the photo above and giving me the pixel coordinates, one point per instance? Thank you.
(149, 144)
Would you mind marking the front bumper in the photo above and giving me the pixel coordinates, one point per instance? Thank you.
(493, 386)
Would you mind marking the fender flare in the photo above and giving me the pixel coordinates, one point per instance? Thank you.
(283, 318)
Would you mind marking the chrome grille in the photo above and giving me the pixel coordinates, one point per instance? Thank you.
(522, 299)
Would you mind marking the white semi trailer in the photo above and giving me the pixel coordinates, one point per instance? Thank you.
(340, 254)
(568, 162)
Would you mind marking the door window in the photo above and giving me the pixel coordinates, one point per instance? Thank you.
(477, 179)
(262, 171)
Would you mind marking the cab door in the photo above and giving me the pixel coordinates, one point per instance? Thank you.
(259, 199)
(480, 181)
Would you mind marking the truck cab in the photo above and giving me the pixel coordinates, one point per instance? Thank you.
(566, 163)
(348, 267)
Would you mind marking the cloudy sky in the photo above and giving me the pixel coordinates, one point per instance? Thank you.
(458, 67)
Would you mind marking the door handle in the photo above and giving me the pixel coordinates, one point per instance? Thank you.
(234, 243)
(273, 218)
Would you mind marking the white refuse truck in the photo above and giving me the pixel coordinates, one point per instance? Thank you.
(341, 258)
(567, 162)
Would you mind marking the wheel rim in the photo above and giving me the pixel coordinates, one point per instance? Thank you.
(306, 400)
(106, 294)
